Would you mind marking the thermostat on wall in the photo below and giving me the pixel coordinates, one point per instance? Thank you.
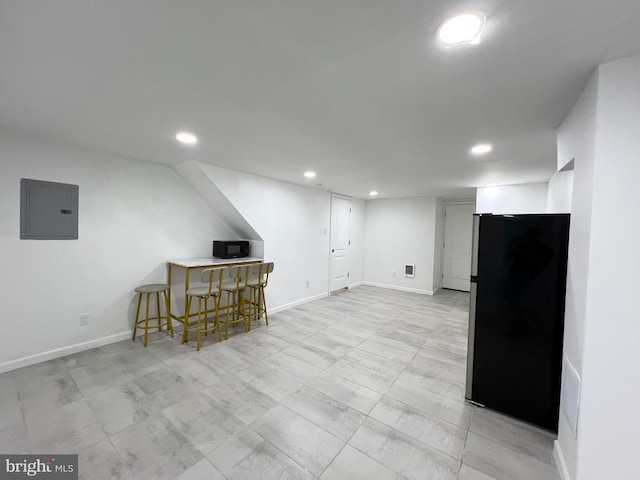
(410, 270)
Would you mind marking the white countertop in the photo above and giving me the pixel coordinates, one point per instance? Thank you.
(211, 261)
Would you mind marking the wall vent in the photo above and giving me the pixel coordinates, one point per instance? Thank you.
(409, 270)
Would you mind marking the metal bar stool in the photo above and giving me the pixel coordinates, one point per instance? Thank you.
(213, 278)
(258, 279)
(235, 287)
(148, 290)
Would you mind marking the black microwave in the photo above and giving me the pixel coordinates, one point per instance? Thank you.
(230, 248)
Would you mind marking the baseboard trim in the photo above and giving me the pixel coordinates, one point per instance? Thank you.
(61, 352)
(355, 284)
(561, 465)
(396, 287)
(297, 303)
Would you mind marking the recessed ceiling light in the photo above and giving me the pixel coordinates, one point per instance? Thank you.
(187, 138)
(373, 193)
(481, 149)
(464, 28)
(310, 174)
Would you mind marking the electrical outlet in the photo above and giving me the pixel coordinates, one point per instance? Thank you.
(307, 283)
(84, 319)
(394, 274)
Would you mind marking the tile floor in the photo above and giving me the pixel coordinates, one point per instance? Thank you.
(366, 384)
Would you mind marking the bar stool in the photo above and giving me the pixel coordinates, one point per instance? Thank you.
(213, 278)
(148, 290)
(235, 288)
(258, 279)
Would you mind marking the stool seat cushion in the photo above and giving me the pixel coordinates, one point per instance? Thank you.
(152, 288)
(203, 291)
(232, 286)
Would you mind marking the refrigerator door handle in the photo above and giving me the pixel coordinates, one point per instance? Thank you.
(471, 339)
(474, 245)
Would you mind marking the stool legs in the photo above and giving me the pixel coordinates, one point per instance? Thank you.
(147, 317)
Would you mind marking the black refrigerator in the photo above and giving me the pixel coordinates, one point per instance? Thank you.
(516, 315)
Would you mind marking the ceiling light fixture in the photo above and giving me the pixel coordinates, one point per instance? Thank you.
(461, 29)
(481, 149)
(310, 174)
(187, 138)
(373, 193)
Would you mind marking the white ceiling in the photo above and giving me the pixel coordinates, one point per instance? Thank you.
(357, 90)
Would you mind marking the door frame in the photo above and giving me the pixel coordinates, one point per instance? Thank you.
(331, 227)
(444, 228)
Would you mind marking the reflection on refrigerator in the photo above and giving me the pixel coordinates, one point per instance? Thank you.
(516, 315)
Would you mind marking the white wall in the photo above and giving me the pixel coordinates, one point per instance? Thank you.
(133, 216)
(608, 433)
(512, 199)
(438, 245)
(293, 221)
(560, 192)
(356, 249)
(397, 232)
(576, 140)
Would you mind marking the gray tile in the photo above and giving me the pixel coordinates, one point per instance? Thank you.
(307, 444)
(386, 351)
(202, 470)
(225, 358)
(39, 373)
(407, 347)
(502, 462)
(196, 370)
(240, 398)
(376, 362)
(333, 416)
(285, 332)
(83, 359)
(313, 356)
(355, 328)
(154, 445)
(378, 379)
(15, 439)
(452, 411)
(345, 391)
(293, 366)
(165, 385)
(121, 406)
(432, 431)
(204, 423)
(100, 461)
(456, 359)
(432, 383)
(518, 435)
(95, 377)
(468, 473)
(453, 373)
(133, 361)
(352, 464)
(70, 428)
(325, 344)
(247, 456)
(42, 396)
(342, 336)
(269, 381)
(403, 454)
(9, 404)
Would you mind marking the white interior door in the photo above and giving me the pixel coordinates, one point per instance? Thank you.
(458, 232)
(340, 224)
